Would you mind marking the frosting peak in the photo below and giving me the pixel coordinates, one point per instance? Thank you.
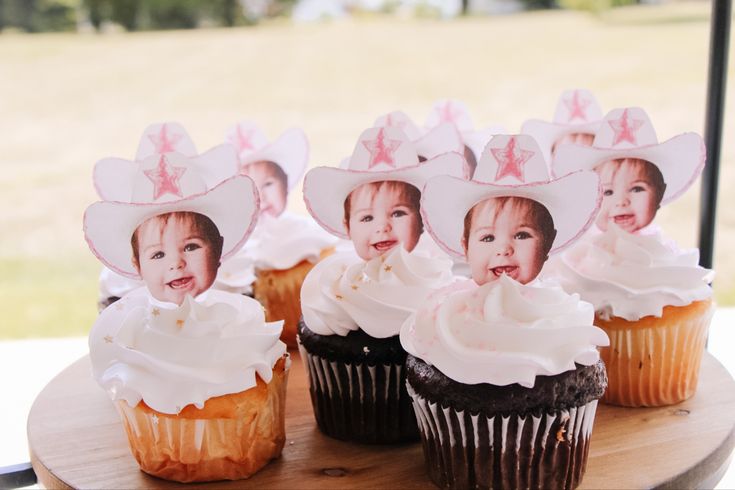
(503, 332)
(171, 356)
(344, 293)
(632, 275)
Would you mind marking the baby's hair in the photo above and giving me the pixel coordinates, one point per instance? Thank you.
(536, 212)
(200, 224)
(584, 139)
(407, 193)
(650, 171)
(276, 169)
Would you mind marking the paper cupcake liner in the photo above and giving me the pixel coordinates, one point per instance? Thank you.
(655, 361)
(465, 450)
(359, 402)
(207, 449)
(279, 291)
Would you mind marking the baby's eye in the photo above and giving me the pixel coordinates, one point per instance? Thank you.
(157, 255)
(190, 247)
(267, 183)
(607, 192)
(522, 235)
(366, 219)
(398, 213)
(488, 238)
(638, 188)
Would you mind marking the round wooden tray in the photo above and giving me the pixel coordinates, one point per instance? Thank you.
(76, 440)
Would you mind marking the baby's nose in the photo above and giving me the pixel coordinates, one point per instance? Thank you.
(177, 263)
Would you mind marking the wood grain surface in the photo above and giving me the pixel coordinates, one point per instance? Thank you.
(76, 440)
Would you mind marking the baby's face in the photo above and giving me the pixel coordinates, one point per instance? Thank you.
(628, 197)
(380, 221)
(174, 260)
(273, 192)
(507, 244)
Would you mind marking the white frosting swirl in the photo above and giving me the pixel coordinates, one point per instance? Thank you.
(632, 275)
(503, 332)
(114, 285)
(171, 356)
(281, 243)
(237, 273)
(343, 293)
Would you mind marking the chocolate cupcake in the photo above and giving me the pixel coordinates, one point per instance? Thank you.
(349, 341)
(505, 396)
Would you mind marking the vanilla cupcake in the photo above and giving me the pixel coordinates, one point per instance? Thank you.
(354, 305)
(200, 387)
(652, 298)
(284, 247)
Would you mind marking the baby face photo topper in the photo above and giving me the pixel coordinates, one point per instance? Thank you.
(510, 217)
(173, 241)
(375, 200)
(637, 173)
(276, 167)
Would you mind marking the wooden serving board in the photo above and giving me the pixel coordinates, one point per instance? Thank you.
(76, 440)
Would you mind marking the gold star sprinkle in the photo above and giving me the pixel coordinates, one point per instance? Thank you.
(179, 323)
(108, 339)
(338, 296)
(155, 312)
(119, 305)
(354, 287)
(388, 268)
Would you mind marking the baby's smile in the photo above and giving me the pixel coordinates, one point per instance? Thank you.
(509, 270)
(384, 245)
(181, 283)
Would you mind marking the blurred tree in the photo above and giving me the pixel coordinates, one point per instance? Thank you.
(39, 15)
(125, 13)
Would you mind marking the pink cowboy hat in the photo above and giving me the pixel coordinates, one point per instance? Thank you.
(456, 113)
(165, 137)
(290, 151)
(443, 138)
(380, 154)
(510, 166)
(577, 111)
(122, 180)
(628, 133)
(232, 205)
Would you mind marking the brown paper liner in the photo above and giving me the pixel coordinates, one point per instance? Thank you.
(465, 450)
(279, 291)
(655, 361)
(230, 438)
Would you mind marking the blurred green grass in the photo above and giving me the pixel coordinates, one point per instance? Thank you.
(69, 100)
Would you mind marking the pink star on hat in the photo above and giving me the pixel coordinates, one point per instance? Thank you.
(446, 113)
(511, 160)
(163, 142)
(577, 107)
(381, 150)
(625, 128)
(244, 139)
(165, 179)
(396, 124)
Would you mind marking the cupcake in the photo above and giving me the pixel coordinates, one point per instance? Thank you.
(576, 120)
(113, 179)
(284, 247)
(197, 375)
(354, 305)
(456, 113)
(504, 370)
(651, 297)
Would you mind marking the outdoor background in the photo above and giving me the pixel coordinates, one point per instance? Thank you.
(69, 99)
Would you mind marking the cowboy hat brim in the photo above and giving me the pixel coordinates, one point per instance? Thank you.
(547, 133)
(114, 178)
(290, 152)
(572, 201)
(232, 206)
(680, 160)
(326, 188)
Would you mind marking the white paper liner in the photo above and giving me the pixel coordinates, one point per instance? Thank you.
(360, 402)
(464, 450)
